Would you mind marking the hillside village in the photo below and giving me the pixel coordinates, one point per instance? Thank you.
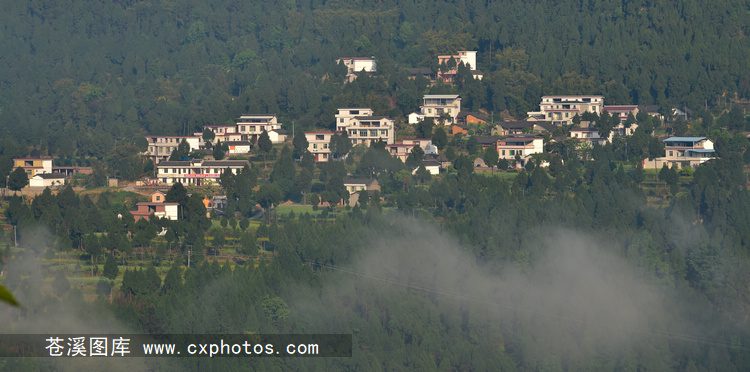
(507, 185)
(577, 122)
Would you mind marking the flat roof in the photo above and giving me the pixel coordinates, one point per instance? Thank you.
(684, 139)
(50, 176)
(440, 96)
(569, 96)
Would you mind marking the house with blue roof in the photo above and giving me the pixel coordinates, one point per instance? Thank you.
(685, 152)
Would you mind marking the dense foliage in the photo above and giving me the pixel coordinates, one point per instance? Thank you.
(79, 76)
(564, 268)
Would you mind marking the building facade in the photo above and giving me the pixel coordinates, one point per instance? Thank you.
(160, 148)
(684, 152)
(33, 166)
(356, 65)
(562, 109)
(318, 143)
(521, 146)
(251, 126)
(196, 172)
(435, 105)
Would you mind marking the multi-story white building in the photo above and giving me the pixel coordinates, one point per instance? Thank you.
(467, 57)
(522, 146)
(161, 147)
(363, 128)
(345, 116)
(562, 109)
(319, 145)
(196, 172)
(621, 111)
(588, 134)
(251, 126)
(33, 166)
(435, 105)
(685, 152)
(223, 133)
(355, 65)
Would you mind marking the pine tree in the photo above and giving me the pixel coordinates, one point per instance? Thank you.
(111, 270)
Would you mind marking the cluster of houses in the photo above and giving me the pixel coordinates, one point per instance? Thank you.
(239, 137)
(42, 173)
(448, 71)
(515, 141)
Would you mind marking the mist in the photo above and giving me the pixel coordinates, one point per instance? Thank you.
(573, 292)
(50, 315)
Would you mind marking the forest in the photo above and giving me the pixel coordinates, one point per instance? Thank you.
(583, 260)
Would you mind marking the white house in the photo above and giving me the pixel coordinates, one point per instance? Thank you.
(197, 171)
(345, 116)
(355, 65)
(432, 166)
(588, 134)
(278, 135)
(467, 57)
(239, 147)
(363, 128)
(522, 146)
(435, 105)
(562, 109)
(160, 148)
(251, 126)
(33, 166)
(47, 180)
(318, 145)
(160, 210)
(685, 152)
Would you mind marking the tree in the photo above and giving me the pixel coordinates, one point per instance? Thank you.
(472, 145)
(672, 179)
(415, 158)
(663, 172)
(111, 270)
(490, 156)
(103, 288)
(182, 152)
(244, 223)
(218, 151)
(440, 138)
(638, 174)
(265, 145)
(269, 195)
(18, 179)
(208, 136)
(61, 285)
(340, 145)
(300, 144)
(424, 128)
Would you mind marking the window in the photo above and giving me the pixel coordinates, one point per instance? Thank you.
(384, 132)
(315, 145)
(363, 133)
(503, 152)
(374, 133)
(511, 152)
(341, 120)
(670, 153)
